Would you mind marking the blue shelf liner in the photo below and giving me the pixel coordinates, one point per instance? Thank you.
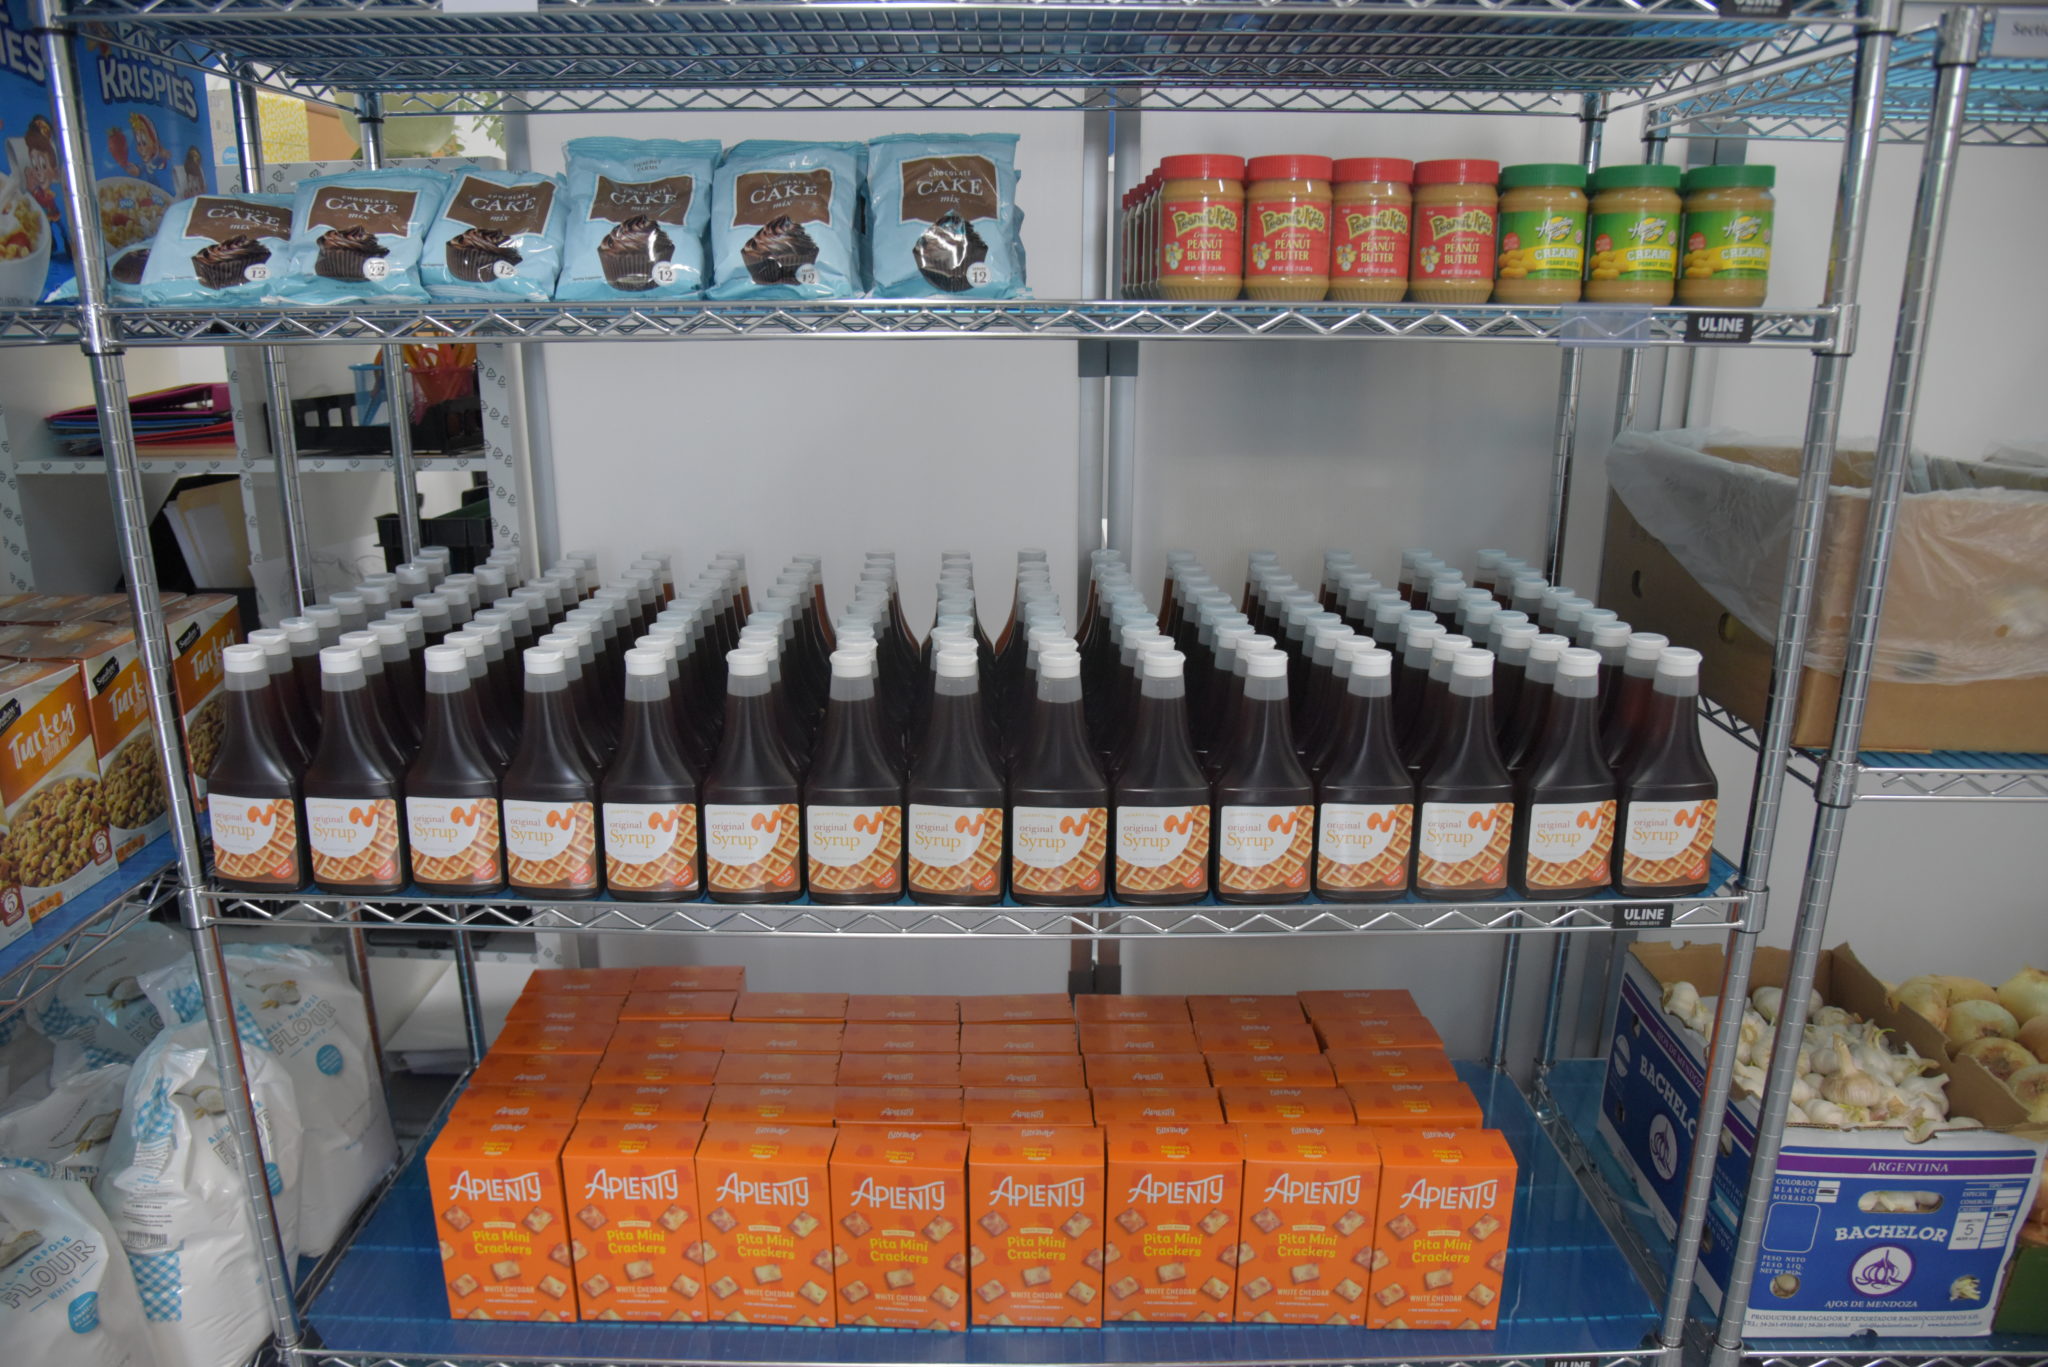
(61, 924)
(1568, 1292)
(1950, 759)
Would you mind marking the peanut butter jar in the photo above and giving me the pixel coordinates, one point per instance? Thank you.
(1635, 235)
(1201, 227)
(1371, 220)
(1728, 212)
(1456, 226)
(1542, 234)
(1287, 237)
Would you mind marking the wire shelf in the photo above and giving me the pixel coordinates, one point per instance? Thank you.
(1882, 775)
(232, 465)
(38, 326)
(74, 932)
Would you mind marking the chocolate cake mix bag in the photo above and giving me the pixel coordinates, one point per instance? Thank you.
(216, 250)
(783, 221)
(636, 215)
(942, 216)
(358, 237)
(499, 236)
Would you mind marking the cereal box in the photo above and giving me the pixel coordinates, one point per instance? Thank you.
(677, 1006)
(1441, 1243)
(1020, 1008)
(521, 1101)
(895, 1037)
(554, 1037)
(1378, 1032)
(1171, 1195)
(498, 1208)
(1105, 1008)
(782, 1105)
(918, 1108)
(1391, 1065)
(899, 1070)
(566, 982)
(1157, 1105)
(571, 1009)
(776, 1070)
(790, 1006)
(1358, 1001)
(1256, 1037)
(1053, 1038)
(1146, 1070)
(1038, 1106)
(631, 1186)
(683, 1067)
(1270, 1070)
(1286, 1106)
(644, 1101)
(690, 978)
(766, 1245)
(785, 1037)
(1035, 1240)
(899, 1210)
(200, 626)
(1022, 1070)
(1169, 1038)
(1437, 1105)
(668, 1037)
(902, 1008)
(51, 803)
(503, 1068)
(1310, 1193)
(1217, 1008)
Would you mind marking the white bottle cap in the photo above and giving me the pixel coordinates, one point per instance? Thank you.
(1352, 646)
(1059, 664)
(1473, 664)
(1521, 634)
(341, 660)
(1446, 647)
(1556, 594)
(664, 639)
(1578, 663)
(1612, 634)
(299, 629)
(248, 659)
(1373, 664)
(271, 640)
(1549, 646)
(1491, 558)
(447, 659)
(647, 662)
(471, 644)
(1679, 663)
(365, 641)
(1266, 664)
(345, 600)
(1646, 645)
(387, 632)
(956, 662)
(1423, 632)
(431, 602)
(849, 664)
(746, 661)
(1164, 664)
(441, 553)
(323, 616)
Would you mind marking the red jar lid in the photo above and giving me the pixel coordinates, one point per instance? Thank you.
(1458, 171)
(1397, 170)
(1202, 166)
(1290, 168)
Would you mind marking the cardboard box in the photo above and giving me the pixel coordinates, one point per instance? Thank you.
(200, 627)
(564, 982)
(644, 1101)
(766, 1250)
(1018, 1008)
(915, 1108)
(1146, 1070)
(1269, 1070)
(776, 1070)
(1429, 1105)
(790, 1006)
(1157, 1105)
(781, 1037)
(892, 1037)
(671, 1037)
(1311, 1196)
(51, 802)
(1286, 1106)
(1378, 1032)
(496, 1186)
(1829, 1266)
(554, 1037)
(1170, 1038)
(570, 1010)
(1041, 1107)
(899, 1070)
(679, 1067)
(1102, 1008)
(1391, 1065)
(1256, 1037)
(1345, 1003)
(1172, 1195)
(900, 1008)
(121, 614)
(1018, 1039)
(899, 1208)
(633, 1187)
(1023, 1070)
(690, 978)
(517, 1101)
(1035, 1243)
(777, 1105)
(677, 1006)
(1218, 1008)
(504, 1068)
(1441, 1244)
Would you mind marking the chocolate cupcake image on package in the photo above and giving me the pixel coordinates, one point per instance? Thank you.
(481, 254)
(498, 236)
(224, 265)
(635, 220)
(780, 252)
(785, 221)
(348, 254)
(214, 250)
(358, 237)
(632, 254)
(949, 253)
(943, 216)
(129, 266)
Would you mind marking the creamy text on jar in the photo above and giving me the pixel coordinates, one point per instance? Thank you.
(1455, 230)
(1635, 235)
(1542, 234)
(1287, 229)
(1371, 218)
(1727, 236)
(1201, 227)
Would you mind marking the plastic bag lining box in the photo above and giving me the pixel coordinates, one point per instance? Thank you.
(1836, 1260)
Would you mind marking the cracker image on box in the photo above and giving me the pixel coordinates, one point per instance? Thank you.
(1172, 1193)
(758, 1186)
(1035, 1192)
(900, 1199)
(1445, 1201)
(637, 1182)
(487, 1177)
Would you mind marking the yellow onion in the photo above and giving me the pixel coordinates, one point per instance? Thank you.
(2025, 994)
(2001, 1057)
(1975, 1020)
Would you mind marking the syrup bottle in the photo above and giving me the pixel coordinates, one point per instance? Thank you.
(1621, 716)
(451, 790)
(569, 644)
(253, 788)
(1265, 803)
(401, 679)
(1420, 745)
(648, 797)
(382, 704)
(1419, 632)
(1059, 800)
(1509, 641)
(1564, 813)
(955, 831)
(499, 743)
(1532, 710)
(550, 791)
(752, 827)
(1365, 800)
(853, 795)
(295, 734)
(1466, 825)
(304, 638)
(1162, 798)
(353, 787)
(1668, 795)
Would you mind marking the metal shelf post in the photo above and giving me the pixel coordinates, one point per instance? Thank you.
(397, 388)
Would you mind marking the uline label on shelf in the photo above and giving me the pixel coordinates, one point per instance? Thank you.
(1729, 328)
(1756, 9)
(1643, 916)
(490, 6)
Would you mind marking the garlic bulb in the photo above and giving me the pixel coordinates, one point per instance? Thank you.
(2000, 1057)
(1976, 1019)
(1854, 1089)
(1767, 1000)
(1832, 1015)
(1826, 1113)
(1681, 999)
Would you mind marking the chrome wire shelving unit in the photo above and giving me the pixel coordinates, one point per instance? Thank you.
(69, 936)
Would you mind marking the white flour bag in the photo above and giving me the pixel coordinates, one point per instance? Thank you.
(67, 1298)
(100, 1008)
(69, 1127)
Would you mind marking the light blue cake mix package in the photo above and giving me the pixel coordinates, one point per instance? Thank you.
(637, 212)
(498, 237)
(217, 250)
(942, 216)
(358, 237)
(783, 221)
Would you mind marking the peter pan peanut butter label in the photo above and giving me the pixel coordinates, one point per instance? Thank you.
(453, 840)
(1288, 237)
(1162, 850)
(511, 209)
(761, 197)
(1202, 237)
(666, 200)
(550, 844)
(650, 847)
(1667, 843)
(1370, 242)
(854, 849)
(352, 840)
(1264, 849)
(1571, 845)
(388, 213)
(1364, 846)
(217, 219)
(751, 847)
(955, 849)
(1463, 846)
(255, 839)
(1454, 242)
(1059, 850)
(936, 186)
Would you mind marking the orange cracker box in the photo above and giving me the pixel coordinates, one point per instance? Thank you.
(1157, 1105)
(560, 982)
(917, 1108)
(1217, 1008)
(555, 1037)
(682, 1067)
(766, 1249)
(570, 1009)
(1286, 1106)
(52, 804)
(781, 1037)
(1039, 1106)
(899, 1070)
(1437, 1105)
(1016, 1008)
(1358, 1001)
(1169, 1038)
(678, 1006)
(1257, 1037)
(1441, 1244)
(200, 626)
(1146, 1070)
(776, 1070)
(899, 1206)
(522, 1101)
(1022, 1070)
(498, 1208)
(902, 1008)
(1035, 1243)
(781, 1105)
(690, 978)
(644, 1101)
(894, 1037)
(1105, 1008)
(1391, 1065)
(632, 1185)
(1378, 1032)
(501, 1068)
(668, 1037)
(1171, 1249)
(1310, 1193)
(1044, 1038)
(1270, 1070)
(790, 1006)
